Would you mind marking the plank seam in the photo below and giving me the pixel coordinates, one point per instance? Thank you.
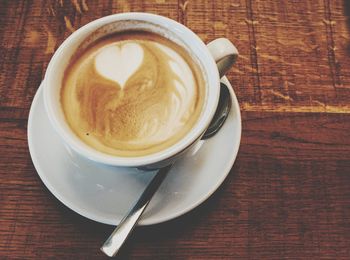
(334, 70)
(253, 47)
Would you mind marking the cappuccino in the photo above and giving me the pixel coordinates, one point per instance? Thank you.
(132, 94)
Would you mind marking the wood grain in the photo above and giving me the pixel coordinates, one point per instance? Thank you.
(287, 195)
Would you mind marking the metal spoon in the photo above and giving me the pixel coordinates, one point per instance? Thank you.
(221, 112)
(127, 224)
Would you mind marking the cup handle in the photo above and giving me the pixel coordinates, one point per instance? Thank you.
(224, 53)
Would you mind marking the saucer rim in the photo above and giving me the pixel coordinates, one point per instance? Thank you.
(143, 222)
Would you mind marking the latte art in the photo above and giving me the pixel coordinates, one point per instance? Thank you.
(132, 94)
(118, 62)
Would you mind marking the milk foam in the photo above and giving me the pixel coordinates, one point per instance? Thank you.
(132, 97)
(118, 62)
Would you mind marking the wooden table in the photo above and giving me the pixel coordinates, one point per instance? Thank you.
(288, 194)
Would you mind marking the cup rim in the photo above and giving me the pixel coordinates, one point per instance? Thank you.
(208, 65)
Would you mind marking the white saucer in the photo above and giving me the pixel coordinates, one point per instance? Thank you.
(105, 194)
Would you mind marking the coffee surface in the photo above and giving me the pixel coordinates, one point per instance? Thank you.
(132, 94)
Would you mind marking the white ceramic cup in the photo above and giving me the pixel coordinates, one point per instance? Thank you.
(214, 59)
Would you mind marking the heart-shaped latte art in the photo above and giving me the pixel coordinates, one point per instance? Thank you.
(119, 62)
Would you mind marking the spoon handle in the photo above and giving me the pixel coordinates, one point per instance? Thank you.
(127, 224)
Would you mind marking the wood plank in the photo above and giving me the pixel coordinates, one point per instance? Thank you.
(287, 196)
(287, 59)
(286, 52)
(296, 65)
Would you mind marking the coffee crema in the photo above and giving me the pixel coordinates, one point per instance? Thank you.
(132, 94)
